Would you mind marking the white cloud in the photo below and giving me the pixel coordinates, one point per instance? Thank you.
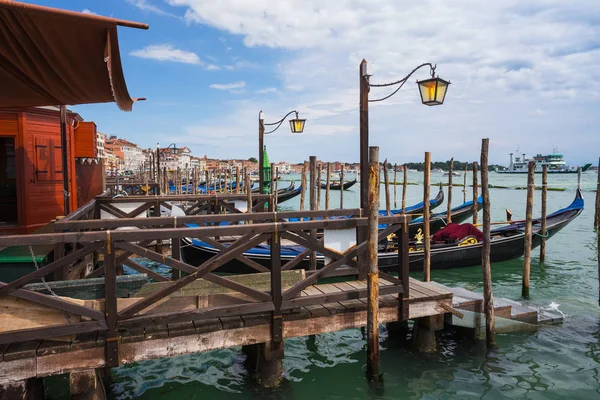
(88, 11)
(166, 52)
(228, 86)
(266, 90)
(147, 6)
(505, 59)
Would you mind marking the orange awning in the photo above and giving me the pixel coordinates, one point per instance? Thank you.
(53, 57)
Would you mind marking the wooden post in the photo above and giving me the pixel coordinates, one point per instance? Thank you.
(303, 185)
(328, 183)
(528, 229)
(237, 179)
(405, 173)
(597, 213)
(110, 304)
(488, 299)
(318, 186)
(579, 178)
(146, 183)
(373, 274)
(426, 233)
(276, 194)
(386, 181)
(272, 178)
(450, 171)
(543, 227)
(395, 184)
(342, 188)
(313, 206)
(248, 194)
(475, 193)
(166, 181)
(465, 185)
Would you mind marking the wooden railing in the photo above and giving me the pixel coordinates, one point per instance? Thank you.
(90, 236)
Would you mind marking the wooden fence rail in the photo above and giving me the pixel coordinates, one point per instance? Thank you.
(85, 235)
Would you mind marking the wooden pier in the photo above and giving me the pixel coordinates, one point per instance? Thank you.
(80, 336)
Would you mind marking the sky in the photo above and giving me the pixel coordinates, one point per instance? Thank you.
(523, 73)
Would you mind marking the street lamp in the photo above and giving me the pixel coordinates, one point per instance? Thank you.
(296, 126)
(433, 92)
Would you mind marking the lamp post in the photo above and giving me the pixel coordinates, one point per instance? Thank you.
(432, 91)
(296, 126)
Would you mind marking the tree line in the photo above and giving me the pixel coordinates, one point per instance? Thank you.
(444, 165)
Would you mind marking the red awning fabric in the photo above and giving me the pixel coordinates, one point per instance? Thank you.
(54, 57)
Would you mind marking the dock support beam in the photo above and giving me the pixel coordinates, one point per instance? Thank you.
(373, 275)
(28, 389)
(424, 332)
(264, 363)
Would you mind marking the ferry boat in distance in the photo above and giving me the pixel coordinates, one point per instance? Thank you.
(555, 162)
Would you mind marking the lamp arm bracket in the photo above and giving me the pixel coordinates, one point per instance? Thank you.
(278, 123)
(402, 81)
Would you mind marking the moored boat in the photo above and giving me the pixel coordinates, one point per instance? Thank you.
(555, 163)
(507, 243)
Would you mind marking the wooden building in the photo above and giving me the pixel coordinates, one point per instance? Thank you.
(31, 176)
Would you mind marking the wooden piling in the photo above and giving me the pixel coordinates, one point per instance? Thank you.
(318, 186)
(528, 229)
(248, 194)
(386, 181)
(313, 206)
(543, 226)
(426, 233)
(597, 213)
(395, 184)
(373, 274)
(450, 171)
(272, 185)
(327, 189)
(404, 182)
(488, 299)
(342, 188)
(579, 178)
(237, 179)
(276, 192)
(303, 185)
(465, 186)
(475, 193)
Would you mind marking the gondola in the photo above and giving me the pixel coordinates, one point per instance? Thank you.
(338, 185)
(437, 221)
(507, 243)
(418, 208)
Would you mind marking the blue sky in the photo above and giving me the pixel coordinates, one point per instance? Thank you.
(523, 75)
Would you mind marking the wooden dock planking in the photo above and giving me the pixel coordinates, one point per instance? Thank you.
(85, 351)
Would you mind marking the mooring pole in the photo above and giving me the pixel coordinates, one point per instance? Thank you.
(597, 213)
(373, 274)
(528, 229)
(475, 193)
(404, 182)
(386, 181)
(318, 185)
(579, 178)
(303, 185)
(276, 193)
(342, 188)
(426, 233)
(465, 185)
(450, 171)
(237, 179)
(313, 206)
(488, 298)
(328, 183)
(543, 227)
(395, 184)
(248, 194)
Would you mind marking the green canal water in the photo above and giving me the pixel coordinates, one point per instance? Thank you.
(555, 362)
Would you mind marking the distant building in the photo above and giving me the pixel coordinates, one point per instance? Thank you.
(100, 141)
(129, 153)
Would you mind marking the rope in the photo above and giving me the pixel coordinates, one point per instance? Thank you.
(48, 288)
